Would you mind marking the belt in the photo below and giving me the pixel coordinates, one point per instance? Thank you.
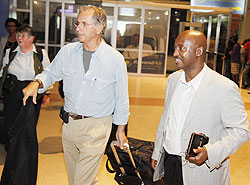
(76, 116)
(171, 155)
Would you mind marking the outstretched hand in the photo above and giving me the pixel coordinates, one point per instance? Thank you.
(30, 90)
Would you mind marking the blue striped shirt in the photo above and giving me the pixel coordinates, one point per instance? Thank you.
(102, 91)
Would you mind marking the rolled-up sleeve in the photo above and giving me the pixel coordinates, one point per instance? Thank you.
(121, 111)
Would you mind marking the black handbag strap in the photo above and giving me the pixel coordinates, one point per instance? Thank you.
(108, 168)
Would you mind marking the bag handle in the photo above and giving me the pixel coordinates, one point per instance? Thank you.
(126, 148)
(108, 168)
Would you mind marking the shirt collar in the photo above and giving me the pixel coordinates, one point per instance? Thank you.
(98, 51)
(19, 50)
(195, 82)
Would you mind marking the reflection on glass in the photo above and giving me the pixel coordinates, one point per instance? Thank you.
(222, 39)
(70, 34)
(52, 52)
(39, 21)
(54, 29)
(23, 17)
(55, 23)
(132, 49)
(155, 31)
(129, 20)
(24, 4)
(210, 60)
(110, 12)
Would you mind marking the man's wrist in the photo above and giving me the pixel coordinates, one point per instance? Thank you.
(39, 82)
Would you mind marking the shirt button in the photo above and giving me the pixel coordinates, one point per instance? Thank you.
(164, 133)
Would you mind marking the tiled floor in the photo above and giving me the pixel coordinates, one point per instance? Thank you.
(146, 106)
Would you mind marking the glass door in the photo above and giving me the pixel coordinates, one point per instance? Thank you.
(216, 29)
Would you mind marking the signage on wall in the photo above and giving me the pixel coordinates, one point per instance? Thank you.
(89, 2)
(238, 6)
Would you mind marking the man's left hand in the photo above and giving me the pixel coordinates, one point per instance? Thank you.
(46, 99)
(120, 136)
(200, 158)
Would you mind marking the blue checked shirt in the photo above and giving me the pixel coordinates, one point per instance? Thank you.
(102, 91)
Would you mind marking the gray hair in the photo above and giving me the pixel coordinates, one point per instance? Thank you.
(99, 16)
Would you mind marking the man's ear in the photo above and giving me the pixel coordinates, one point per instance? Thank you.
(99, 28)
(199, 51)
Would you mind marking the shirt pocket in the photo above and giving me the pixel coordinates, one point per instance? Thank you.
(99, 90)
(69, 79)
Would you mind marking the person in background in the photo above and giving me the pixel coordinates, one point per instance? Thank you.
(18, 69)
(227, 58)
(135, 45)
(235, 60)
(20, 66)
(95, 87)
(9, 40)
(246, 73)
(198, 100)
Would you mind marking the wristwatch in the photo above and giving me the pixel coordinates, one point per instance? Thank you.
(39, 83)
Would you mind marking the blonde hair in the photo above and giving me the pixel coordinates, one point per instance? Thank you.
(99, 16)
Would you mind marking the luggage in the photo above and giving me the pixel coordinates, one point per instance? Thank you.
(133, 164)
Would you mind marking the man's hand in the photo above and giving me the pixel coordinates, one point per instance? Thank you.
(200, 158)
(120, 136)
(153, 163)
(46, 99)
(30, 90)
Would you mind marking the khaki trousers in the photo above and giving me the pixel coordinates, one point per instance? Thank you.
(84, 142)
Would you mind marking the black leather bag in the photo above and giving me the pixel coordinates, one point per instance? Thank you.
(141, 152)
(10, 83)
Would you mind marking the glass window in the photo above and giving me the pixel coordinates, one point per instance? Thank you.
(52, 52)
(23, 4)
(54, 28)
(55, 23)
(154, 41)
(39, 21)
(110, 15)
(70, 32)
(23, 17)
(129, 21)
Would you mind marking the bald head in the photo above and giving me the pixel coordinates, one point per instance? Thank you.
(197, 38)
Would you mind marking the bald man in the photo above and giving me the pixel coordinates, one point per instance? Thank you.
(198, 100)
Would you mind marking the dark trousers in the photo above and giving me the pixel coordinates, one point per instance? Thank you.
(21, 162)
(173, 170)
(246, 75)
(13, 103)
(228, 73)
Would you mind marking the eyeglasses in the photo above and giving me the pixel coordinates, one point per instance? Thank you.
(83, 24)
(11, 26)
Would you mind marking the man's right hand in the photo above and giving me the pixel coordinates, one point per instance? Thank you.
(153, 163)
(30, 90)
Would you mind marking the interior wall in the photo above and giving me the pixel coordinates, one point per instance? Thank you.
(4, 13)
(245, 33)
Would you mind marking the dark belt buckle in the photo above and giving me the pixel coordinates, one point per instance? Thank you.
(76, 116)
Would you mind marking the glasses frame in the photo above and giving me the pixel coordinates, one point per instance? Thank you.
(82, 24)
